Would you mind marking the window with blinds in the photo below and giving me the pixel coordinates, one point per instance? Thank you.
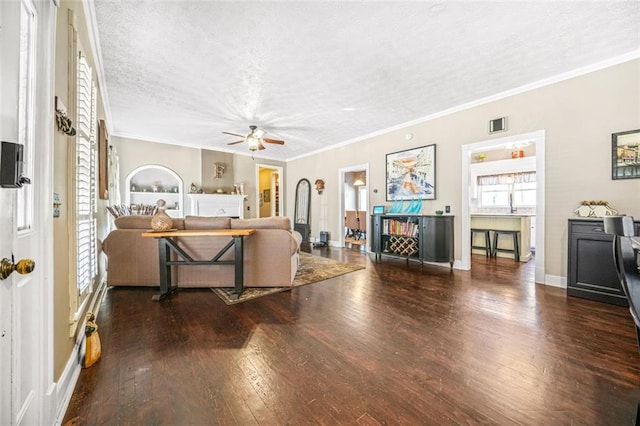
(507, 190)
(85, 178)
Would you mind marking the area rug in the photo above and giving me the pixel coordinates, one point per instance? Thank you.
(312, 269)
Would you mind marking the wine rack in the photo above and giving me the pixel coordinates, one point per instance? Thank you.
(413, 237)
(403, 246)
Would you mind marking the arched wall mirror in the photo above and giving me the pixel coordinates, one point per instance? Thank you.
(303, 209)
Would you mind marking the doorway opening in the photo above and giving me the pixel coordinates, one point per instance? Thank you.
(502, 192)
(269, 180)
(353, 205)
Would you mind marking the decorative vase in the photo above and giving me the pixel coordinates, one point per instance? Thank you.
(161, 221)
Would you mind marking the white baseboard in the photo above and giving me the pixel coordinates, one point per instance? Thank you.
(555, 281)
(456, 264)
(64, 387)
(59, 394)
(334, 243)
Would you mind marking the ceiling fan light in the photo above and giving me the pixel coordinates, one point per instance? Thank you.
(253, 142)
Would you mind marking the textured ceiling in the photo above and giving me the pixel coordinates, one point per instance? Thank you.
(322, 73)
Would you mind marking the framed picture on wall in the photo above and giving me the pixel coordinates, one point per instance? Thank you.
(411, 174)
(267, 195)
(103, 161)
(625, 155)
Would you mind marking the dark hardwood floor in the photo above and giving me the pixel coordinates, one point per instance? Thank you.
(389, 344)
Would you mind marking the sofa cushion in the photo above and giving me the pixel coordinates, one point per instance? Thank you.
(142, 222)
(201, 222)
(133, 222)
(275, 222)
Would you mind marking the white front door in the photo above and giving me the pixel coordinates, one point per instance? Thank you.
(6, 296)
(26, 81)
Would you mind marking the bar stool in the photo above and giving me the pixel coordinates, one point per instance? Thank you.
(516, 247)
(487, 240)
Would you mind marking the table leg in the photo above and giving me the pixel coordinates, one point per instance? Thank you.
(165, 270)
(239, 267)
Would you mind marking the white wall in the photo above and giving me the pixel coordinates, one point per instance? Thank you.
(193, 165)
(578, 116)
(185, 162)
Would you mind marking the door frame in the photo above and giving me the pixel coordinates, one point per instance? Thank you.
(280, 171)
(341, 177)
(539, 137)
(273, 193)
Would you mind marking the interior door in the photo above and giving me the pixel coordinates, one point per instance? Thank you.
(26, 48)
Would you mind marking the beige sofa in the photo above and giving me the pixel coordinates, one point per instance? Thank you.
(271, 255)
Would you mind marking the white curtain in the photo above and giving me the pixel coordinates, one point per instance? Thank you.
(114, 176)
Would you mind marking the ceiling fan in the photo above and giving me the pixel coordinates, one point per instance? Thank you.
(254, 138)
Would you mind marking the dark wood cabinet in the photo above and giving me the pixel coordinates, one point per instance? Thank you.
(591, 272)
(437, 239)
(413, 237)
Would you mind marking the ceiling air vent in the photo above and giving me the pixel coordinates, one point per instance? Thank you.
(498, 125)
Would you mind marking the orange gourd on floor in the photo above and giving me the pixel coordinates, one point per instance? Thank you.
(93, 348)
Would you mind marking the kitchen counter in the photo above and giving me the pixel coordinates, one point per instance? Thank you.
(504, 222)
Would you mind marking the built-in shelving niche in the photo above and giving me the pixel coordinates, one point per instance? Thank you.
(147, 184)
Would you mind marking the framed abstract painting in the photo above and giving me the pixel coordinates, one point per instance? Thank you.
(411, 174)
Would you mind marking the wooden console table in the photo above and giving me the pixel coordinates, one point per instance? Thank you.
(167, 242)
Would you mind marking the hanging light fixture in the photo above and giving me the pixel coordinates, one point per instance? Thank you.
(253, 142)
(254, 138)
(359, 180)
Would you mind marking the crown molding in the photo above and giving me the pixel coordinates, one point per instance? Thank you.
(94, 40)
(502, 95)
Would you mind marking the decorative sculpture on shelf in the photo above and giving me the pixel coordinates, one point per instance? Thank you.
(319, 183)
(415, 206)
(594, 208)
(417, 209)
(397, 206)
(409, 207)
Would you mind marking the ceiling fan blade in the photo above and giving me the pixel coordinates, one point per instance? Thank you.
(260, 146)
(233, 134)
(233, 143)
(276, 141)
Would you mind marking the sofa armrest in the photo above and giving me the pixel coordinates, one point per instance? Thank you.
(131, 259)
(297, 240)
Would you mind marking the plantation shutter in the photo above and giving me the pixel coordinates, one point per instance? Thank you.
(86, 194)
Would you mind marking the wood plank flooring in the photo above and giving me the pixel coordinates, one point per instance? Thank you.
(389, 344)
